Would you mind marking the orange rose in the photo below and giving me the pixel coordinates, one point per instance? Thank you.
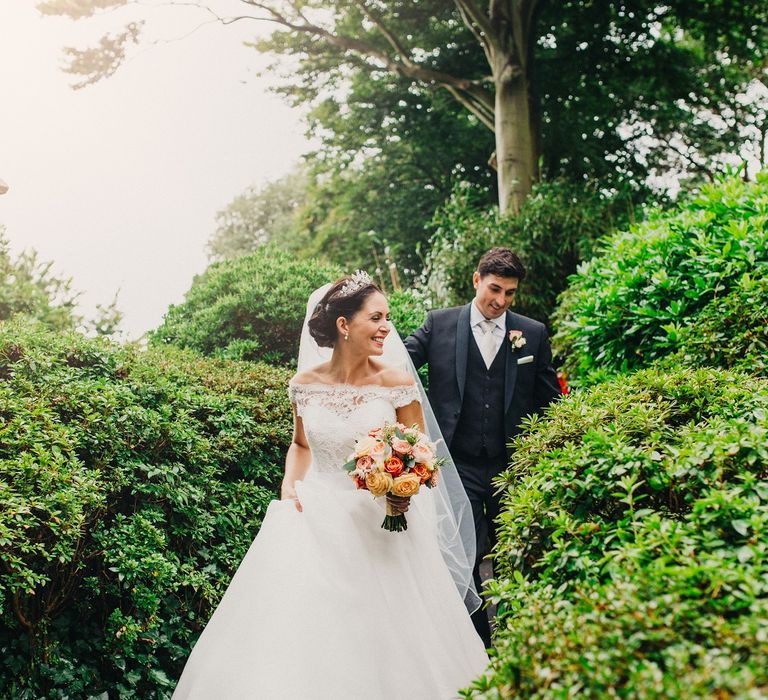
(378, 483)
(406, 485)
(422, 471)
(394, 466)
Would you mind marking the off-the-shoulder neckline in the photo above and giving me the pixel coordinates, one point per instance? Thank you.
(344, 385)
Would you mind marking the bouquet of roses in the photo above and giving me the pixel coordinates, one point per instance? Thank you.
(394, 460)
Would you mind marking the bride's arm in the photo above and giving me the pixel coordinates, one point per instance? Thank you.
(410, 414)
(297, 461)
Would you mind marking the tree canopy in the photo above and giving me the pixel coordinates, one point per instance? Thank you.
(604, 89)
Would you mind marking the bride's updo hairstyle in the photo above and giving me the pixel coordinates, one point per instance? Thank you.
(345, 298)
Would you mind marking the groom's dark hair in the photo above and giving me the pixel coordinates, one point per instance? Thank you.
(501, 262)
(338, 301)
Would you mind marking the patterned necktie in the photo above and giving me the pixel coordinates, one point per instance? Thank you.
(487, 341)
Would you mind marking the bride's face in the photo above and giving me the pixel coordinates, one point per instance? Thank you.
(370, 325)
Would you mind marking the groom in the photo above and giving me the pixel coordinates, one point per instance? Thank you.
(488, 369)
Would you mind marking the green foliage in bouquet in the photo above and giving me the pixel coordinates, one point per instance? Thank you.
(558, 227)
(249, 308)
(632, 559)
(131, 484)
(662, 288)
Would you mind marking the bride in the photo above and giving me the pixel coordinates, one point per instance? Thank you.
(327, 604)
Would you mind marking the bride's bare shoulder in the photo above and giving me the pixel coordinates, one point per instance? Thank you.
(391, 376)
(314, 375)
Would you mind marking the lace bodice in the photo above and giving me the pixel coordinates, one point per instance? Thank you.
(335, 415)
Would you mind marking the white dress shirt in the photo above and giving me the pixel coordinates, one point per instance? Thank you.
(475, 322)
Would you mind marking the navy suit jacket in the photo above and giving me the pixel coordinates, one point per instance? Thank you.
(443, 343)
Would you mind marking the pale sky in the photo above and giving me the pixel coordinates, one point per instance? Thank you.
(118, 183)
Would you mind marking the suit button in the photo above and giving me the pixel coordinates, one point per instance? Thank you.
(487, 405)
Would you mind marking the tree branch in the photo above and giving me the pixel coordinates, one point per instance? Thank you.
(477, 108)
(478, 94)
(391, 38)
(478, 23)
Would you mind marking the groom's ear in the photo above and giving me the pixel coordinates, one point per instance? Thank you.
(475, 279)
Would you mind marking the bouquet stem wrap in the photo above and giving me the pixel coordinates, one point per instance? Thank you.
(394, 521)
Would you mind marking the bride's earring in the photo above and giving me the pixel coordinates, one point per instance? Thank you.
(346, 336)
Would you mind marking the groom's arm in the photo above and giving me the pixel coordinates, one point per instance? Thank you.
(417, 343)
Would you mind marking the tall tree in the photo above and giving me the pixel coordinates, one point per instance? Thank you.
(259, 216)
(422, 41)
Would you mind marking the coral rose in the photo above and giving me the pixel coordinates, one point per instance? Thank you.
(422, 471)
(394, 466)
(365, 464)
(379, 483)
(406, 485)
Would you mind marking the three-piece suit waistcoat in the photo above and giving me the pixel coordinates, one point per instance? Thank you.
(481, 424)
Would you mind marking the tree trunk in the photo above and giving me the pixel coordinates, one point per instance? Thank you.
(515, 147)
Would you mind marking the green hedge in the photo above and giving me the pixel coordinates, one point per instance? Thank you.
(131, 484)
(663, 287)
(633, 544)
(249, 308)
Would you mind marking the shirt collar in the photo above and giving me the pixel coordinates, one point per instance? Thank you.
(476, 317)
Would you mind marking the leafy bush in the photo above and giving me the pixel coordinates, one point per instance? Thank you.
(131, 486)
(28, 288)
(632, 558)
(644, 297)
(249, 308)
(730, 331)
(557, 228)
(408, 309)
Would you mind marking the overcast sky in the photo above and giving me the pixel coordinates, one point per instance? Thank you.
(118, 183)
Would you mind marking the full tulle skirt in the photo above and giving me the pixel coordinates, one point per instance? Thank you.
(326, 604)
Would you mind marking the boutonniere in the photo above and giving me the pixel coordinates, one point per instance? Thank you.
(517, 339)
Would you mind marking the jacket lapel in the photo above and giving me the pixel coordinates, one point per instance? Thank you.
(511, 368)
(462, 348)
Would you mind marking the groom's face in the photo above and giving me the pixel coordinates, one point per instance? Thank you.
(494, 294)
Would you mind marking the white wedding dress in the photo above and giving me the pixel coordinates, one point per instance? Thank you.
(328, 605)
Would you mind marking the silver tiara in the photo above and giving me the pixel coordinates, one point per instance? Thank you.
(355, 282)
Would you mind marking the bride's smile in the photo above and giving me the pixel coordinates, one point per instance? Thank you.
(369, 327)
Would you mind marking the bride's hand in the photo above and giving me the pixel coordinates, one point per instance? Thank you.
(288, 493)
(400, 503)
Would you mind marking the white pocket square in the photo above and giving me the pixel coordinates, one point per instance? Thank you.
(525, 360)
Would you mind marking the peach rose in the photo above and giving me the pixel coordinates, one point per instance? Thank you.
(422, 471)
(402, 446)
(381, 451)
(422, 452)
(379, 483)
(365, 446)
(394, 466)
(406, 485)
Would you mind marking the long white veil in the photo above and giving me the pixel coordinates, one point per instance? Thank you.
(453, 513)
